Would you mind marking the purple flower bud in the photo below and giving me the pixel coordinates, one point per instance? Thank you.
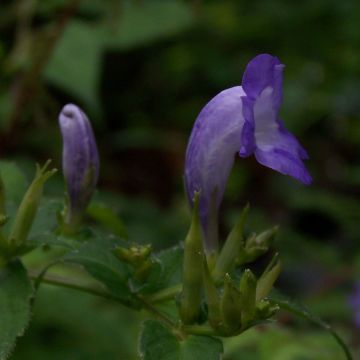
(244, 120)
(80, 160)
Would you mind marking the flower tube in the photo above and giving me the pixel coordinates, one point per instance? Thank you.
(244, 120)
(80, 161)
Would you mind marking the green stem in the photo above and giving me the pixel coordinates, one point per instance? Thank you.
(199, 330)
(96, 290)
(71, 284)
(165, 294)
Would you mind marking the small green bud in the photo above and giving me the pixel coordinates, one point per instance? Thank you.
(190, 299)
(257, 245)
(136, 255)
(212, 298)
(28, 206)
(248, 296)
(268, 278)
(265, 310)
(231, 303)
(233, 245)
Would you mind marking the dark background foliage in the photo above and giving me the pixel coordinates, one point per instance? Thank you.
(142, 70)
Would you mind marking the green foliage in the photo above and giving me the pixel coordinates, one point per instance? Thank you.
(15, 295)
(75, 64)
(158, 343)
(97, 259)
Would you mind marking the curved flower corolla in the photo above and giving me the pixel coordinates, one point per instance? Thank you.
(80, 160)
(244, 120)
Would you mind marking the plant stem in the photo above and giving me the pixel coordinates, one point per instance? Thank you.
(199, 329)
(165, 294)
(98, 291)
(71, 284)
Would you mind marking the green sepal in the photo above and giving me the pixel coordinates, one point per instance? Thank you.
(248, 297)
(231, 305)
(28, 207)
(190, 299)
(212, 299)
(232, 247)
(268, 278)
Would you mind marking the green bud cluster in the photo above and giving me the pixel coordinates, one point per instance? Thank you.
(139, 257)
(232, 305)
(256, 245)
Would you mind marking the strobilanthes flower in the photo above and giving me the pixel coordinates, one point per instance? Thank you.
(243, 119)
(80, 161)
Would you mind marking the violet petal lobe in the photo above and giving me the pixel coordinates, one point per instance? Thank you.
(80, 158)
(213, 144)
(275, 147)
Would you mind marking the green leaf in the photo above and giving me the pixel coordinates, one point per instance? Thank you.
(149, 21)
(158, 343)
(301, 311)
(171, 262)
(108, 218)
(15, 295)
(98, 261)
(75, 63)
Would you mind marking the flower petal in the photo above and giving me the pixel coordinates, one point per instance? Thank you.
(80, 157)
(264, 71)
(285, 163)
(214, 141)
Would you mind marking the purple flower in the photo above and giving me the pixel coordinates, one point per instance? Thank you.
(354, 302)
(80, 160)
(243, 119)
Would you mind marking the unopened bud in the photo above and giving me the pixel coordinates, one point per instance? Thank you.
(233, 245)
(192, 269)
(265, 310)
(257, 245)
(268, 278)
(248, 297)
(135, 255)
(80, 161)
(231, 303)
(28, 207)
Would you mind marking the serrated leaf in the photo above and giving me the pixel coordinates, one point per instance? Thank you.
(99, 262)
(108, 218)
(15, 295)
(158, 343)
(303, 312)
(171, 261)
